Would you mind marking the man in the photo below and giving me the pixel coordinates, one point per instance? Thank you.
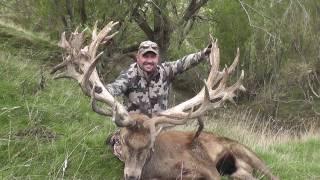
(145, 85)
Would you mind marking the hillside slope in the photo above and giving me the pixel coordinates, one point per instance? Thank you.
(47, 129)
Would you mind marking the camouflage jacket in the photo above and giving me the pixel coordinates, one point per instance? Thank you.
(149, 95)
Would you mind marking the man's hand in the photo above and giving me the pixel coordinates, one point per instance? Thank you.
(97, 89)
(206, 51)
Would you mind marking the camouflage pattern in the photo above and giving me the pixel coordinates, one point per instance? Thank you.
(149, 95)
(148, 46)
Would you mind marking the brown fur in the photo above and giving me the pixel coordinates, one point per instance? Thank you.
(177, 155)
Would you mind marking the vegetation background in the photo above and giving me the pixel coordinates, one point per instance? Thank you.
(47, 129)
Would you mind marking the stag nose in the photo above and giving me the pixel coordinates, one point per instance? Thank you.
(130, 177)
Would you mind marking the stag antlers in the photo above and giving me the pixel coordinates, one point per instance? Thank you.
(80, 62)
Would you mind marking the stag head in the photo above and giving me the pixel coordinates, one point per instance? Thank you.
(139, 132)
(136, 146)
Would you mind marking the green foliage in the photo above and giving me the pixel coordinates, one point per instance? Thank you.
(280, 57)
(230, 27)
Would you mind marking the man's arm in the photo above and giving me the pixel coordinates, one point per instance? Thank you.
(120, 85)
(181, 65)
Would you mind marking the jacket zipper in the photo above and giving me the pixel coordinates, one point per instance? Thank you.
(149, 98)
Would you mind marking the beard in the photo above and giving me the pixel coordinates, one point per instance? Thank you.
(149, 63)
(148, 67)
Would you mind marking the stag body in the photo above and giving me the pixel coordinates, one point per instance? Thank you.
(149, 152)
(178, 155)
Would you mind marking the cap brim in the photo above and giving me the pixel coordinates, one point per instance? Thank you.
(147, 51)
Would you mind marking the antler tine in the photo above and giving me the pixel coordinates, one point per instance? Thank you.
(61, 65)
(215, 55)
(235, 62)
(94, 105)
(238, 84)
(63, 43)
(214, 62)
(70, 70)
(175, 118)
(102, 35)
(229, 95)
(94, 31)
(77, 41)
(223, 82)
(63, 75)
(85, 83)
(215, 75)
(204, 104)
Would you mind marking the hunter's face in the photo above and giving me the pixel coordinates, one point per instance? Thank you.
(148, 61)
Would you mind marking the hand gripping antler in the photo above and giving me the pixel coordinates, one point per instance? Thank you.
(79, 63)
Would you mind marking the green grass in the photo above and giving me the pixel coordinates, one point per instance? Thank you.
(294, 160)
(41, 129)
(51, 132)
(66, 127)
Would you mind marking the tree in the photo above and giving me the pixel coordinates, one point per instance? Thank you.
(166, 19)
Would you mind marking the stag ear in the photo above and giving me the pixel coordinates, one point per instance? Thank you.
(149, 124)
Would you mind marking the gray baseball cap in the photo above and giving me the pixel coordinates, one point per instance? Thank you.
(148, 46)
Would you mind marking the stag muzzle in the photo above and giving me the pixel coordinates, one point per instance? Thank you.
(132, 174)
(132, 177)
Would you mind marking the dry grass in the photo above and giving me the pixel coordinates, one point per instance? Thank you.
(253, 129)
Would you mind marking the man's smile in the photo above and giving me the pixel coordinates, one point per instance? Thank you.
(148, 65)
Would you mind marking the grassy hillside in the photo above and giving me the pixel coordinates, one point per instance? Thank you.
(44, 130)
(47, 130)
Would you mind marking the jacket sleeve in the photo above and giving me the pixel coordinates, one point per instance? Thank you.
(181, 65)
(120, 85)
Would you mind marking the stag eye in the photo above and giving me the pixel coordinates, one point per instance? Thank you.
(139, 155)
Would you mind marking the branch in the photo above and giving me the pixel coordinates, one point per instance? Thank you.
(253, 25)
(192, 9)
(189, 17)
(161, 22)
(129, 49)
(187, 26)
(142, 23)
